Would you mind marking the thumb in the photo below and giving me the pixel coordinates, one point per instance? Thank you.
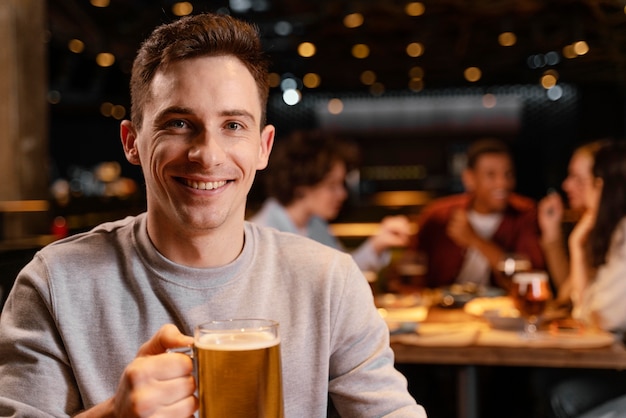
(168, 336)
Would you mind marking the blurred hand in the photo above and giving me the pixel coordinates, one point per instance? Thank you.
(550, 216)
(394, 231)
(460, 230)
(156, 383)
(583, 227)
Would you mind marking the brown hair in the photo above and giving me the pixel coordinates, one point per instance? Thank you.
(305, 158)
(610, 166)
(197, 36)
(485, 146)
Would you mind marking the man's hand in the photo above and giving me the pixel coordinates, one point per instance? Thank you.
(459, 229)
(394, 231)
(156, 383)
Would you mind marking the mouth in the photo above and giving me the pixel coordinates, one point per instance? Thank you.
(500, 194)
(203, 185)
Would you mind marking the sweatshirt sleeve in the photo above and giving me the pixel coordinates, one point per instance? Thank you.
(35, 376)
(363, 380)
(368, 260)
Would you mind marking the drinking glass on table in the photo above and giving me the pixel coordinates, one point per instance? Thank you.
(411, 269)
(509, 265)
(531, 292)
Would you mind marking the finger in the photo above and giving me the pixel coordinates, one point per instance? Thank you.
(147, 403)
(168, 336)
(144, 370)
(136, 392)
(165, 393)
(183, 408)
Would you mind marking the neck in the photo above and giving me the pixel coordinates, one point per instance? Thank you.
(480, 208)
(299, 214)
(200, 249)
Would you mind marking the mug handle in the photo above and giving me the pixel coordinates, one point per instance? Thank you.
(188, 350)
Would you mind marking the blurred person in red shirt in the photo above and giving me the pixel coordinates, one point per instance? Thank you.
(464, 237)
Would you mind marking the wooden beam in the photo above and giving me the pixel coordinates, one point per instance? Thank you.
(23, 114)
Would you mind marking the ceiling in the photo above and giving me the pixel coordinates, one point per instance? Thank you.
(455, 34)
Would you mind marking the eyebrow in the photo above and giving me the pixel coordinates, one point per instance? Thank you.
(181, 110)
(238, 112)
(173, 110)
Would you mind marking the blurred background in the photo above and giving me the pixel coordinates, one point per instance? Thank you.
(411, 82)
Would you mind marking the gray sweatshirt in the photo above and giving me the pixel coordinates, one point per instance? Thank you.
(80, 310)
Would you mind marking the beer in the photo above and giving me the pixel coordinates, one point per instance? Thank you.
(239, 375)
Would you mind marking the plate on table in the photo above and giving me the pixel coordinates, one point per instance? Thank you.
(402, 312)
(457, 295)
(397, 300)
(498, 311)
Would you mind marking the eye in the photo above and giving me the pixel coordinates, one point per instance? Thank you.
(177, 123)
(233, 126)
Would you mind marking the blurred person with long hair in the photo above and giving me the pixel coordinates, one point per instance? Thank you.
(551, 212)
(597, 275)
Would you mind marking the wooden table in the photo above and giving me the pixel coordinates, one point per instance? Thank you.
(612, 357)
(469, 357)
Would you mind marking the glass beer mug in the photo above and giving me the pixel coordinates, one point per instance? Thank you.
(238, 369)
(531, 292)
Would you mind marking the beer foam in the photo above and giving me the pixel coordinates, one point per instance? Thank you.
(237, 341)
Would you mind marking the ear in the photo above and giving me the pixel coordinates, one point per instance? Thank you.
(469, 182)
(265, 147)
(128, 135)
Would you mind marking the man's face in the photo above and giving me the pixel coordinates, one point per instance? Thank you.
(200, 144)
(491, 181)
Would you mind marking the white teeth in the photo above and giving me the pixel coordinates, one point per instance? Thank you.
(200, 185)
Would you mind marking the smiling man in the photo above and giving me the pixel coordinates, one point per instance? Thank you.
(465, 236)
(86, 327)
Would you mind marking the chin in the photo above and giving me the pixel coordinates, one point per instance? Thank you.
(499, 206)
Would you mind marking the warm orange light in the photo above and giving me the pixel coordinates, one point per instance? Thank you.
(416, 84)
(507, 39)
(415, 49)
(360, 51)
(581, 47)
(105, 59)
(182, 8)
(306, 49)
(568, 51)
(76, 46)
(353, 20)
(548, 81)
(311, 80)
(100, 3)
(274, 79)
(368, 77)
(415, 8)
(472, 74)
(416, 72)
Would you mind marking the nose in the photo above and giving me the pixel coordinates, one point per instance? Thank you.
(206, 150)
(566, 184)
(505, 181)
